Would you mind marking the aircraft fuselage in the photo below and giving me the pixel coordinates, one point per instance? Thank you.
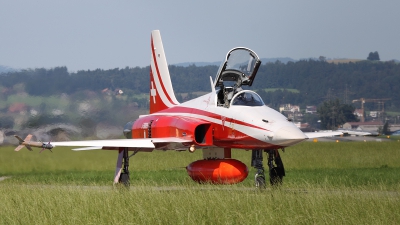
(205, 123)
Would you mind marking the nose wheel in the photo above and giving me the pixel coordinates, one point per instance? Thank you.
(257, 163)
(275, 167)
(259, 180)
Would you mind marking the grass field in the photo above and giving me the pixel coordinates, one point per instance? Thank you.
(325, 183)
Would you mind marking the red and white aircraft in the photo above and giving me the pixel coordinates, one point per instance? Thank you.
(228, 117)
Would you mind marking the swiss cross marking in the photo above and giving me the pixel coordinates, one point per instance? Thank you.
(153, 92)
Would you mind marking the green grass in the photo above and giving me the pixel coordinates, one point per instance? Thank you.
(309, 160)
(325, 183)
(226, 205)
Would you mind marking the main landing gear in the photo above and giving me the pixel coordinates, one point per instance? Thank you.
(122, 169)
(275, 166)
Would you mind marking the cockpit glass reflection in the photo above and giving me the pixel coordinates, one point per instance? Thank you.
(247, 98)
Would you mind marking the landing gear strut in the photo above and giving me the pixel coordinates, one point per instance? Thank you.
(257, 163)
(123, 164)
(124, 178)
(275, 166)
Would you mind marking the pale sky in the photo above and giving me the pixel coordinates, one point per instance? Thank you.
(95, 34)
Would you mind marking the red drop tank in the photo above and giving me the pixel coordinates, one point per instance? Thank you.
(218, 171)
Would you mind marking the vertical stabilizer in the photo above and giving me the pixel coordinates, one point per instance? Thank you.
(161, 92)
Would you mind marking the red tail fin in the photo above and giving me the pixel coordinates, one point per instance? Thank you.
(161, 92)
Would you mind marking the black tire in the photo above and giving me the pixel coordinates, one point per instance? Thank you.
(275, 176)
(124, 179)
(260, 182)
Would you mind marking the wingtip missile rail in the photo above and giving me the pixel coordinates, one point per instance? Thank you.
(28, 144)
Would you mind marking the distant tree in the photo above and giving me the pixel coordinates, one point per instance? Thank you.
(332, 113)
(311, 78)
(311, 119)
(373, 56)
(322, 58)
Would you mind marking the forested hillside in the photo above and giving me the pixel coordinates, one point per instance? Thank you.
(317, 81)
(308, 82)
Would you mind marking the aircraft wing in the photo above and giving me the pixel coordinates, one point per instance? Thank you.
(358, 132)
(322, 134)
(147, 143)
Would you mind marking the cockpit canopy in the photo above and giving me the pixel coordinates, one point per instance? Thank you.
(247, 98)
(239, 68)
(240, 65)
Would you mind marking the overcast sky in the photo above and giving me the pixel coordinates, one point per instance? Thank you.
(108, 34)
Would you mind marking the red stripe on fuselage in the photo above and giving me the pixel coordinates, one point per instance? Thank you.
(181, 109)
(158, 73)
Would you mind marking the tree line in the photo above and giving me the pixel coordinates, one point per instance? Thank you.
(315, 81)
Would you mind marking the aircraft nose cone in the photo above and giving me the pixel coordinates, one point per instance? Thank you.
(287, 136)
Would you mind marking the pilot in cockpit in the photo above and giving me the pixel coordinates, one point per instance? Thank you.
(226, 93)
(221, 96)
(247, 99)
(241, 99)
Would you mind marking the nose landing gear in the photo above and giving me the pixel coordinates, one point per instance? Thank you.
(257, 163)
(275, 166)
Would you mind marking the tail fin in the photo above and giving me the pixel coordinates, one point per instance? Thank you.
(20, 146)
(161, 92)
